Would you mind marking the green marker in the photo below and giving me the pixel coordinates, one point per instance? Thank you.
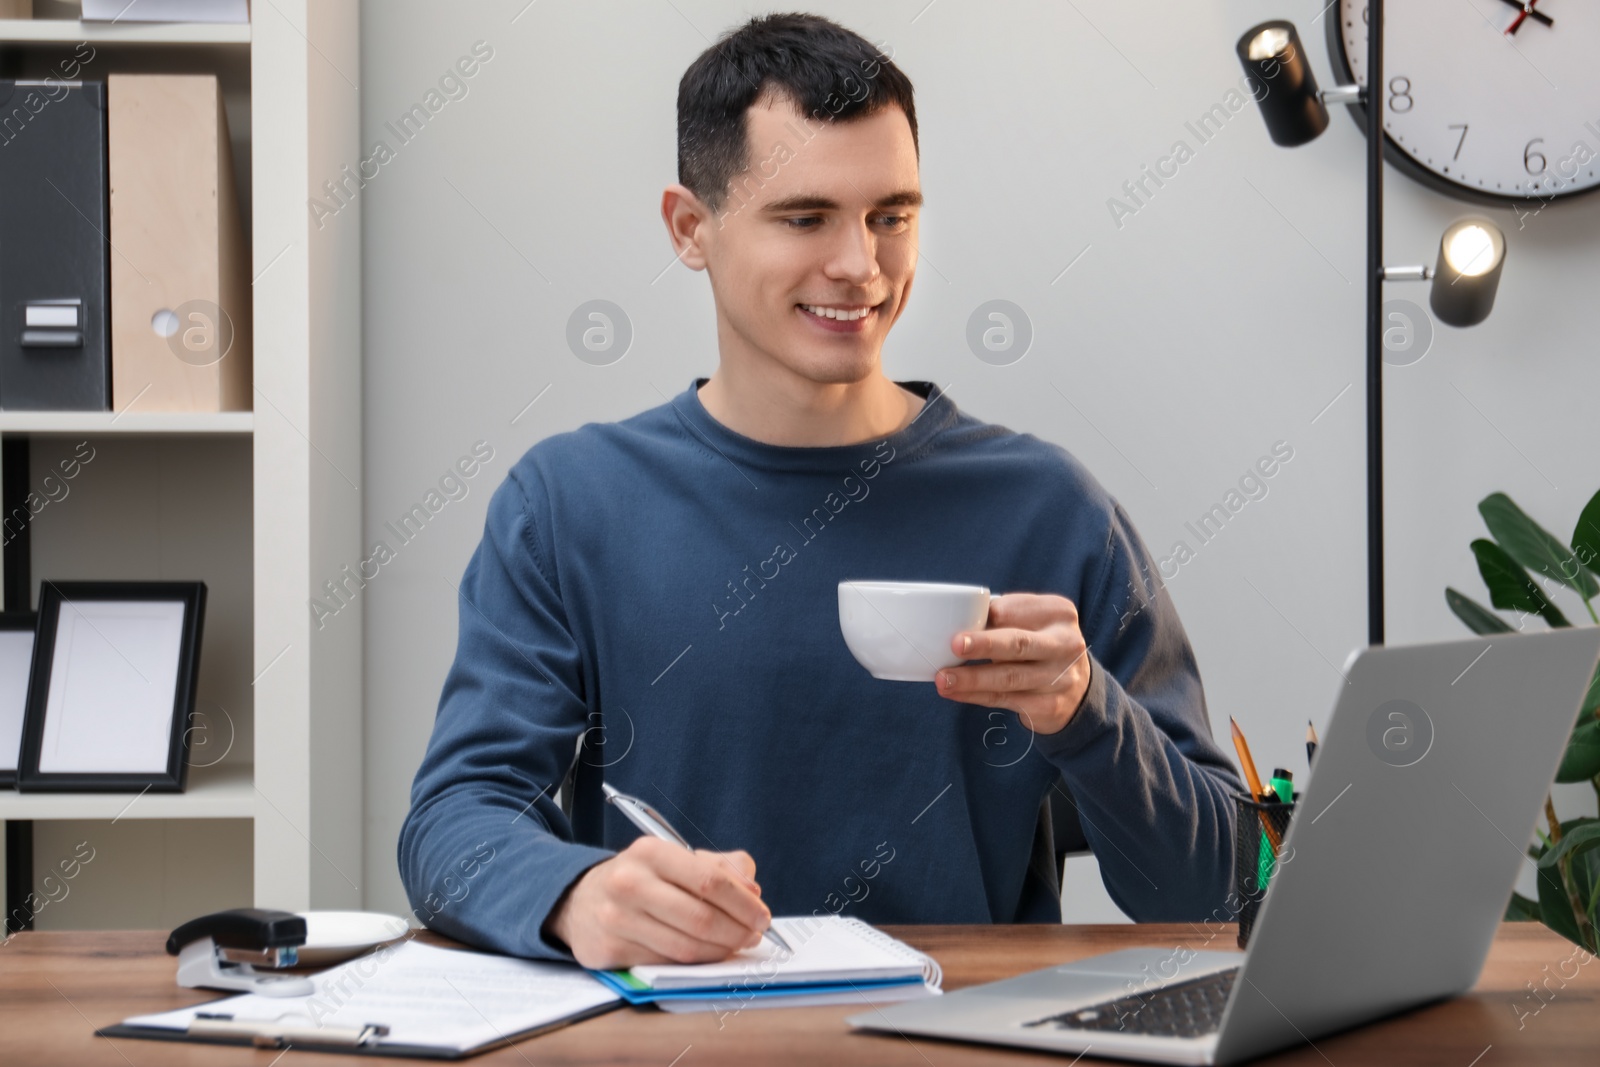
(1282, 782)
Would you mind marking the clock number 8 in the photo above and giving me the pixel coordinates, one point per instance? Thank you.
(1399, 89)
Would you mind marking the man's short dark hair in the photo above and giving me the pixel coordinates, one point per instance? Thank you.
(827, 72)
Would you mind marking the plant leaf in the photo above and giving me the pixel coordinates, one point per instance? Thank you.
(1479, 619)
(1591, 699)
(1520, 909)
(1533, 546)
(1509, 585)
(1576, 841)
(1581, 761)
(1555, 910)
(1586, 535)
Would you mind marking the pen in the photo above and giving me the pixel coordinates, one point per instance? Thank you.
(1311, 742)
(651, 822)
(266, 1033)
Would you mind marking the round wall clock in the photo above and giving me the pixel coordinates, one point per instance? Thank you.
(1491, 101)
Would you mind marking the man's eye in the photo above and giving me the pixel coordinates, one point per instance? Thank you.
(805, 222)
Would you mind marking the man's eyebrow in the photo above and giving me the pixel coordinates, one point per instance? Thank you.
(808, 202)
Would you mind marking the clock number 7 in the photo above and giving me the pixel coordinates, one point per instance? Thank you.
(1462, 126)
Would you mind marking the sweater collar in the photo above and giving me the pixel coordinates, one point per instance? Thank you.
(938, 412)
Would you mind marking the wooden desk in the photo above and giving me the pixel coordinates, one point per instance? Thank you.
(55, 988)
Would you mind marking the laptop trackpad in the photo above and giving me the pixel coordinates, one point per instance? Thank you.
(1111, 975)
(1131, 963)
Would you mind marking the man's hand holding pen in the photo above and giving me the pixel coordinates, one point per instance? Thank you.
(656, 902)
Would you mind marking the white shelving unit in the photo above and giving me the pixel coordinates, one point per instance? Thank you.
(71, 31)
(103, 423)
(226, 791)
(300, 788)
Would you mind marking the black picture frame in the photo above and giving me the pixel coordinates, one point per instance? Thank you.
(16, 622)
(184, 668)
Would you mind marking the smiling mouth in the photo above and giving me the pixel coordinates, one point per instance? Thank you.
(841, 315)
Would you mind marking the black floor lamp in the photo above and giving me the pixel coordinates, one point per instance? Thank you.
(1471, 251)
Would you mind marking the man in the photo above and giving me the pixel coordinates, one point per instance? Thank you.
(654, 601)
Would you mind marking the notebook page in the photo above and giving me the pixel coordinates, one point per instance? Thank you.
(426, 995)
(826, 948)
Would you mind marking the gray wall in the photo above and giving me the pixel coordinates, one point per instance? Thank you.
(1224, 316)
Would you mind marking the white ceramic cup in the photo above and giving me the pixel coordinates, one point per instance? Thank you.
(901, 631)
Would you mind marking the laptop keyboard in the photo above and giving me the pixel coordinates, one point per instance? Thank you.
(1184, 1009)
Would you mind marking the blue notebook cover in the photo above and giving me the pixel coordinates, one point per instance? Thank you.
(831, 954)
(635, 995)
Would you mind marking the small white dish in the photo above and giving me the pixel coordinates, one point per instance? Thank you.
(335, 936)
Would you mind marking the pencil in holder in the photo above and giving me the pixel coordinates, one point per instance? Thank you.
(1259, 832)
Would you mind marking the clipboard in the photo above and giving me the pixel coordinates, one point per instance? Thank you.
(407, 999)
(365, 1042)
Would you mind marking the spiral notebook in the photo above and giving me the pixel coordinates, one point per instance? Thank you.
(834, 956)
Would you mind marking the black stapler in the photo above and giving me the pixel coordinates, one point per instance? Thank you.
(222, 951)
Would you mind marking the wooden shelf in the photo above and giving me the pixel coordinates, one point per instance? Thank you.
(226, 791)
(62, 423)
(71, 31)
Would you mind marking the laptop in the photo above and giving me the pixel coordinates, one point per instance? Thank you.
(1392, 880)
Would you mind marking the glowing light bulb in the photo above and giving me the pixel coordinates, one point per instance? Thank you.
(1268, 43)
(1471, 251)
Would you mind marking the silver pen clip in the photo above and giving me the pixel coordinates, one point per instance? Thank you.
(268, 1033)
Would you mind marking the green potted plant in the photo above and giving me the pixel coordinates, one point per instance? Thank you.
(1523, 566)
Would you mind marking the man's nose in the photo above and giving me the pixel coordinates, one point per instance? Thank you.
(855, 258)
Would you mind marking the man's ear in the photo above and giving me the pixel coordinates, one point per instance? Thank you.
(688, 224)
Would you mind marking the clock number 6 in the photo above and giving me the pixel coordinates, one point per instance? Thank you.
(1399, 89)
(1529, 155)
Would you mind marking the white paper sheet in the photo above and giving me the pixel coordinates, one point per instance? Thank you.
(426, 996)
(827, 948)
(113, 678)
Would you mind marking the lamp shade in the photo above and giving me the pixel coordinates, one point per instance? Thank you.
(1471, 254)
(1282, 83)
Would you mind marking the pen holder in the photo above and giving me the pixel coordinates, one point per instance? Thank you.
(1259, 829)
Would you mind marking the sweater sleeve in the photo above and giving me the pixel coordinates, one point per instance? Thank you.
(1152, 786)
(485, 851)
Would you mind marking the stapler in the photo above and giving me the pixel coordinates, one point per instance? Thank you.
(223, 949)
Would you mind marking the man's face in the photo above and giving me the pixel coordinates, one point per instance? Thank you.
(824, 223)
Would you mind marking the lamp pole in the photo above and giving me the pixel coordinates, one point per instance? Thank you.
(1375, 322)
(1464, 281)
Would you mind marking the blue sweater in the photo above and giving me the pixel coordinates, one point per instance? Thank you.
(654, 603)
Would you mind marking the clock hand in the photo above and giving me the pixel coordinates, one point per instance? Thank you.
(1538, 16)
(1525, 10)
